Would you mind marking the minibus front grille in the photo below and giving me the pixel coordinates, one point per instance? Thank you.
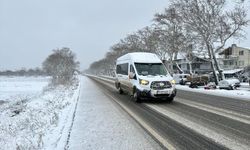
(160, 85)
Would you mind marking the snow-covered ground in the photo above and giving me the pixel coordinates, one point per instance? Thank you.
(241, 93)
(34, 116)
(12, 88)
(102, 125)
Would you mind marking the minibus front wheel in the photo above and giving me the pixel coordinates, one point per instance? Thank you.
(136, 95)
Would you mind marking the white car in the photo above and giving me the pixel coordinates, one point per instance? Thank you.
(143, 75)
(229, 84)
(181, 78)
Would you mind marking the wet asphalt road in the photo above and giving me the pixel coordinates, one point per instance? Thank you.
(228, 131)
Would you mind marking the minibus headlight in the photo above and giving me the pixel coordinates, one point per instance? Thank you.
(144, 82)
(172, 81)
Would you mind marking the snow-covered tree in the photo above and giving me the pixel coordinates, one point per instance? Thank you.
(171, 33)
(212, 24)
(61, 65)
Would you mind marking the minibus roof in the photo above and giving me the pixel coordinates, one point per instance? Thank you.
(139, 57)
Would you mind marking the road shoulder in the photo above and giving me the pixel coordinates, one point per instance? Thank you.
(101, 124)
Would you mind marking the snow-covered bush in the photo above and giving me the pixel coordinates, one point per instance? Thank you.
(61, 65)
(245, 76)
(36, 122)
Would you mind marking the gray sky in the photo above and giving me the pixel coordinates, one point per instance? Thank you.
(30, 29)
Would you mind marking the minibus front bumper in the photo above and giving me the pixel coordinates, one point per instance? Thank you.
(165, 93)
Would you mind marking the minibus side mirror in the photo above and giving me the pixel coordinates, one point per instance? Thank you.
(131, 75)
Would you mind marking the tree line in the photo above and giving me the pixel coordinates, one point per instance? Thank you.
(192, 27)
(23, 72)
(61, 65)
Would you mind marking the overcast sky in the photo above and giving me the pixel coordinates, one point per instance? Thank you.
(31, 29)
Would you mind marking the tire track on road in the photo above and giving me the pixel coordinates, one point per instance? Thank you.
(178, 134)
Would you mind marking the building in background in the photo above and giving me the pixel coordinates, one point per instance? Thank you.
(199, 64)
(235, 57)
(232, 59)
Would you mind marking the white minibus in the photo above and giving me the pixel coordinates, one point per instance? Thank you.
(143, 75)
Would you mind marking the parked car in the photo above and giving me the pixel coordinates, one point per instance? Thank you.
(229, 84)
(199, 80)
(181, 78)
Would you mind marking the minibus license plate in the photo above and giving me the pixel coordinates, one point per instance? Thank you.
(162, 92)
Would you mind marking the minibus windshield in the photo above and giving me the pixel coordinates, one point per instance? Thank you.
(150, 69)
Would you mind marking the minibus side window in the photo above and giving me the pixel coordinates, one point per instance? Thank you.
(118, 69)
(122, 69)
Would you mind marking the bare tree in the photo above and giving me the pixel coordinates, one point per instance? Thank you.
(61, 65)
(192, 26)
(171, 33)
(148, 39)
(132, 43)
(144, 40)
(212, 24)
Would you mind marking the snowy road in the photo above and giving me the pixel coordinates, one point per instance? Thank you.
(101, 124)
(192, 121)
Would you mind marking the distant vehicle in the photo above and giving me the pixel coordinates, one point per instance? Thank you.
(210, 85)
(229, 84)
(229, 74)
(181, 78)
(143, 75)
(198, 80)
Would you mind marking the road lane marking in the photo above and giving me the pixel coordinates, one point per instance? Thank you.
(164, 142)
(223, 112)
(230, 143)
(157, 136)
(219, 111)
(213, 135)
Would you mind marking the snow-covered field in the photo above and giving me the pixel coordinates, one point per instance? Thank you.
(241, 93)
(33, 115)
(12, 88)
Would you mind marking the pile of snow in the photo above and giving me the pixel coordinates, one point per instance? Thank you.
(241, 93)
(34, 116)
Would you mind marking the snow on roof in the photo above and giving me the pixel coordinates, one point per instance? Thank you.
(229, 71)
(181, 56)
(141, 57)
(232, 71)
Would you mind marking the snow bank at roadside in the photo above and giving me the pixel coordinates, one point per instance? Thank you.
(243, 94)
(41, 121)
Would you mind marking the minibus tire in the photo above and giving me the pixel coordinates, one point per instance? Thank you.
(120, 89)
(170, 99)
(136, 98)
